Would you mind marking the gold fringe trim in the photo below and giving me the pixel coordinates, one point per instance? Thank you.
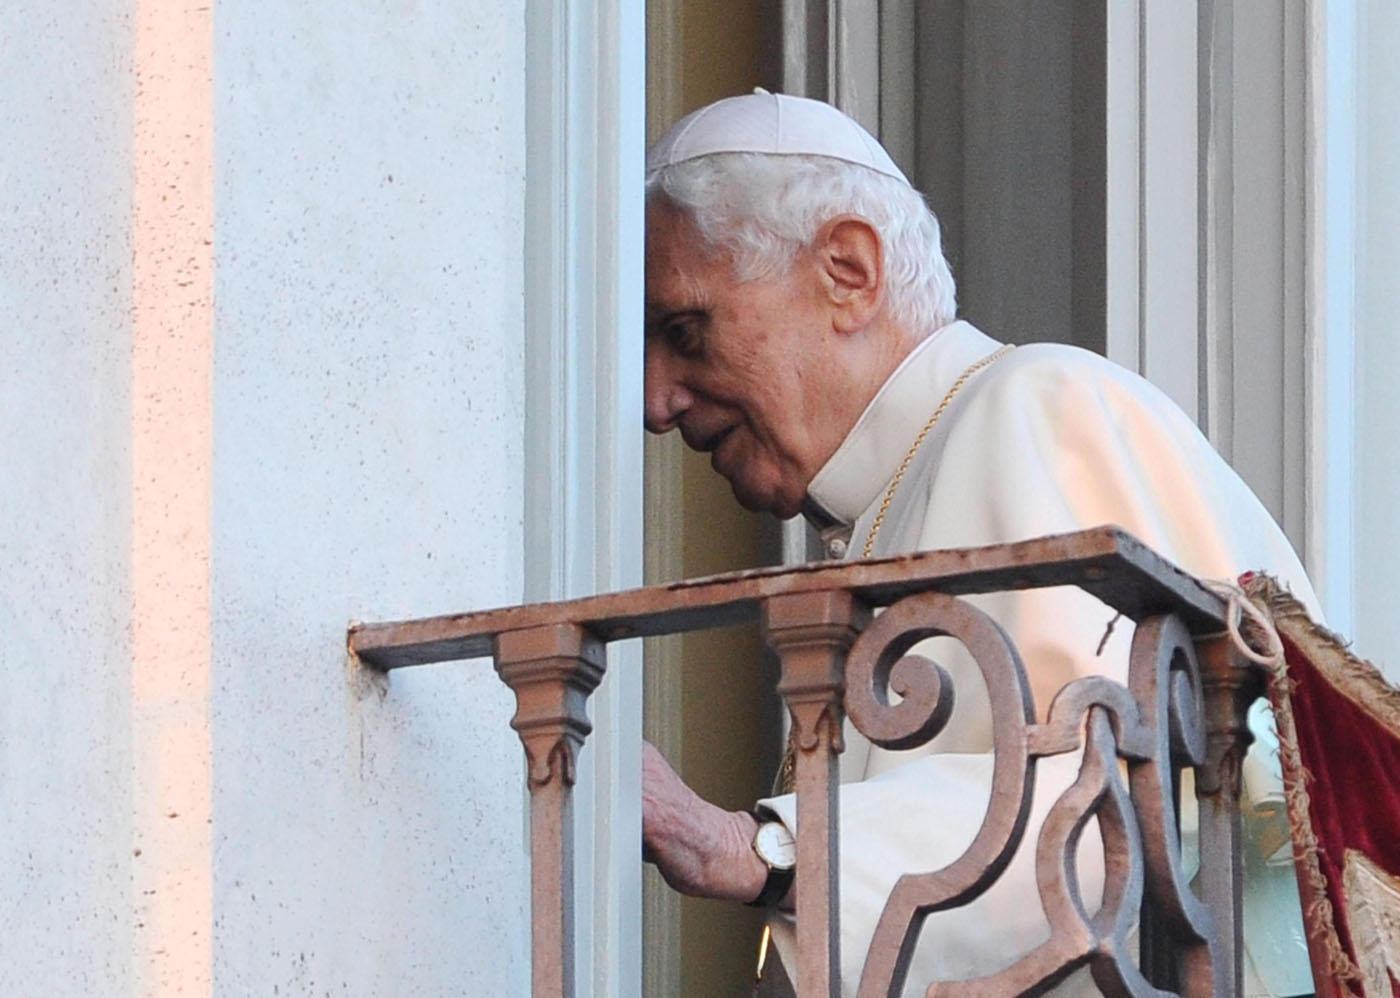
(1355, 678)
(1340, 667)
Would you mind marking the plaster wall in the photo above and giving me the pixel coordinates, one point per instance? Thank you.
(261, 295)
(65, 752)
(369, 179)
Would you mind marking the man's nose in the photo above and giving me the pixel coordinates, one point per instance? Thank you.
(666, 397)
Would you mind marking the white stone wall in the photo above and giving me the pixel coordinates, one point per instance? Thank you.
(263, 820)
(369, 179)
(65, 758)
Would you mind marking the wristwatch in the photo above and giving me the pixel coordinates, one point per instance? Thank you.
(774, 844)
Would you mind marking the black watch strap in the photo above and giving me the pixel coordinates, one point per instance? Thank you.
(775, 888)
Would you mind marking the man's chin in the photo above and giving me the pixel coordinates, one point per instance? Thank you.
(766, 501)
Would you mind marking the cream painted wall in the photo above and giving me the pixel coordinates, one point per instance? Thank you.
(310, 381)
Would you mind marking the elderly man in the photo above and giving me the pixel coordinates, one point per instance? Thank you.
(801, 328)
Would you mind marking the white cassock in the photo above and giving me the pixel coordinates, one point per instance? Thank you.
(1046, 440)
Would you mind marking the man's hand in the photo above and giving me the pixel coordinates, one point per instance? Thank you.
(699, 849)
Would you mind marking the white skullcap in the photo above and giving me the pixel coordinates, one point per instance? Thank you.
(776, 124)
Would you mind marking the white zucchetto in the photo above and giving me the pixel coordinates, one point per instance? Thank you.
(776, 124)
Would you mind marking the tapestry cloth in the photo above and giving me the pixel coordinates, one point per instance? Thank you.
(1339, 743)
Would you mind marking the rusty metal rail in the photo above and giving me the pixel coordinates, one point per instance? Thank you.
(1184, 705)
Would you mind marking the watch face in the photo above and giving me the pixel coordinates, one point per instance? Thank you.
(775, 845)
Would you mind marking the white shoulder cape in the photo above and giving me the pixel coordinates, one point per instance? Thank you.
(1048, 439)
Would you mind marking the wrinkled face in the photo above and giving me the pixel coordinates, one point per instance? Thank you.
(737, 367)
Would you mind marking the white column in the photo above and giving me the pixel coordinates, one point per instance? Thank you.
(1123, 128)
(1377, 412)
(1331, 400)
(585, 119)
(1153, 195)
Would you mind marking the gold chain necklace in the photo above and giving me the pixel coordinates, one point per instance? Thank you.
(963, 379)
(787, 769)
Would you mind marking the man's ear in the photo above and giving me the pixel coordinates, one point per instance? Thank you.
(850, 258)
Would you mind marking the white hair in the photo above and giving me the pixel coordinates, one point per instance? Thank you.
(762, 209)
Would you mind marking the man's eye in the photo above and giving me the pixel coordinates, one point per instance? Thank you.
(684, 337)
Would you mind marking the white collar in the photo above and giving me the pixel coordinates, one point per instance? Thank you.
(868, 458)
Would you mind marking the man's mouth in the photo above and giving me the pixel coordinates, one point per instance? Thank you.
(723, 463)
(706, 444)
(713, 443)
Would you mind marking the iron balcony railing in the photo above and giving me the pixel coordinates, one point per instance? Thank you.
(1184, 706)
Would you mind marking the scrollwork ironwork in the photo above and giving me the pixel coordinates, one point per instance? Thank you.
(924, 709)
(1151, 727)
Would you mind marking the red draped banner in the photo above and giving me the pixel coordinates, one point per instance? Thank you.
(1339, 742)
